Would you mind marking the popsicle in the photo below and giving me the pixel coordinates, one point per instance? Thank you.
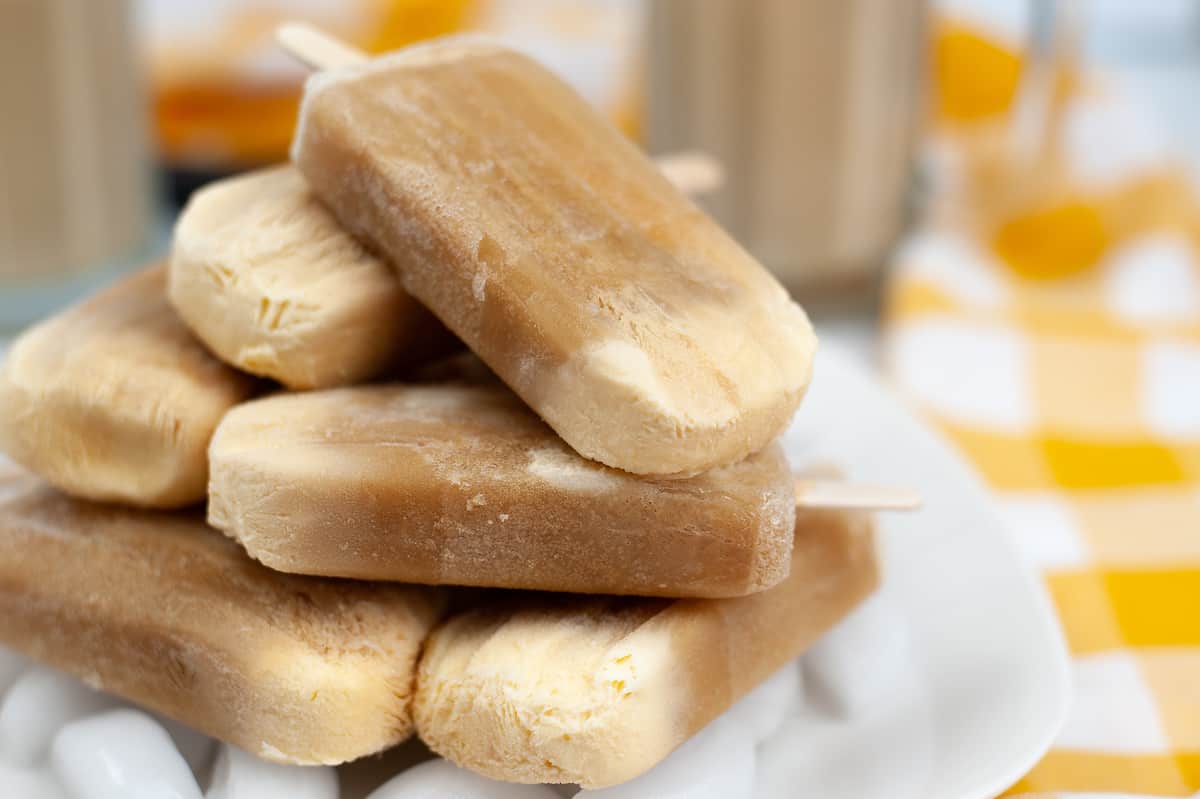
(270, 282)
(462, 484)
(623, 315)
(164, 611)
(114, 400)
(597, 690)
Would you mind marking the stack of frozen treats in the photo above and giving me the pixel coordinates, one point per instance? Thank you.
(617, 448)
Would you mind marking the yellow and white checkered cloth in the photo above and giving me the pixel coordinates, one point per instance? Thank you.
(1059, 348)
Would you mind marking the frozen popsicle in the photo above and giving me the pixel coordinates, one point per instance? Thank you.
(114, 399)
(164, 611)
(623, 315)
(597, 690)
(463, 484)
(270, 282)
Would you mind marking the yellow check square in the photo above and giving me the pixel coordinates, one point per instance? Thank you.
(1151, 527)
(1084, 464)
(1156, 607)
(1085, 388)
(1173, 676)
(1085, 611)
(1066, 770)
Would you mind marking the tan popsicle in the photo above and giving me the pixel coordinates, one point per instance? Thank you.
(691, 172)
(114, 400)
(269, 281)
(164, 611)
(545, 240)
(597, 690)
(462, 484)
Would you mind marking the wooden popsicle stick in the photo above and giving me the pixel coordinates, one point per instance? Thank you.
(315, 48)
(692, 173)
(836, 495)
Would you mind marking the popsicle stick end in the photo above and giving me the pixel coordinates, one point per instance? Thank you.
(833, 495)
(315, 48)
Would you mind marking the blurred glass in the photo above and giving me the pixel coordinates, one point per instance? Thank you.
(814, 107)
(75, 199)
(224, 98)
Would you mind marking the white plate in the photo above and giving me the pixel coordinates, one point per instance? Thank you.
(988, 685)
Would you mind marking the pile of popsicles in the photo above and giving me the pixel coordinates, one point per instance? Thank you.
(639, 365)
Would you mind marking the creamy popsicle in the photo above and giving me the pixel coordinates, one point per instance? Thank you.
(270, 282)
(597, 690)
(463, 484)
(167, 612)
(623, 315)
(114, 399)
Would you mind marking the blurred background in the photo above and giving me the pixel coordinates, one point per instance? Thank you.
(840, 125)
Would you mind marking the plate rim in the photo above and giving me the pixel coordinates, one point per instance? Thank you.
(834, 357)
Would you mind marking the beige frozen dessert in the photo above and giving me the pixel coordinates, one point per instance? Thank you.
(114, 399)
(597, 690)
(462, 484)
(170, 614)
(269, 281)
(623, 315)
(267, 278)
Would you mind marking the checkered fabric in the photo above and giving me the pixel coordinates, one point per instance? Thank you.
(1059, 347)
